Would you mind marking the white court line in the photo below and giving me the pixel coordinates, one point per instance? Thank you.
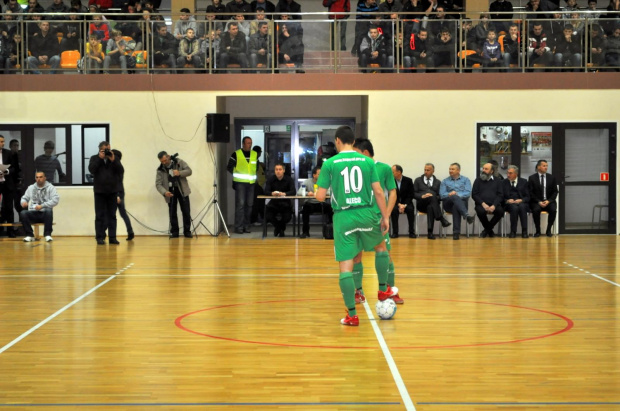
(592, 274)
(57, 313)
(404, 394)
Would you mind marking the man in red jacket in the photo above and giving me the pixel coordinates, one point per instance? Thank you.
(335, 6)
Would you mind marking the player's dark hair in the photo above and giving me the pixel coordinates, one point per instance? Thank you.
(363, 144)
(345, 134)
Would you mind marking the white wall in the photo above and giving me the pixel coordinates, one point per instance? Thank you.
(407, 127)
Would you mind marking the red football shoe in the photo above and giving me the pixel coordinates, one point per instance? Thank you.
(389, 293)
(398, 300)
(360, 298)
(352, 321)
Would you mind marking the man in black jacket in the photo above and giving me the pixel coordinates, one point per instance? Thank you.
(543, 192)
(44, 49)
(404, 201)
(106, 173)
(488, 196)
(164, 48)
(516, 200)
(279, 212)
(233, 47)
(426, 194)
(8, 182)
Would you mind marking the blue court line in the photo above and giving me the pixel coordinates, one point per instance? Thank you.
(517, 404)
(204, 404)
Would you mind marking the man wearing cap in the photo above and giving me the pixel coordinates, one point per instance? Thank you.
(242, 165)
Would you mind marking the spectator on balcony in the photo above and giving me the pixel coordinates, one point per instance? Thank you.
(290, 43)
(363, 21)
(444, 51)
(491, 51)
(44, 49)
(12, 6)
(15, 55)
(390, 7)
(335, 7)
(579, 24)
(186, 21)
(593, 13)
(210, 47)
(93, 59)
(260, 46)
(164, 48)
(210, 25)
(538, 52)
(597, 46)
(568, 50)
(374, 49)
(414, 10)
(9, 26)
(571, 5)
(32, 26)
(239, 6)
(260, 17)
(512, 46)
(501, 10)
(243, 24)
(267, 6)
(480, 33)
(57, 6)
(115, 52)
(217, 8)
(612, 55)
(101, 4)
(100, 28)
(440, 21)
(34, 7)
(539, 6)
(288, 7)
(72, 33)
(233, 48)
(189, 50)
(77, 4)
(419, 51)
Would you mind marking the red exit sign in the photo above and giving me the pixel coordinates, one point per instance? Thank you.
(604, 176)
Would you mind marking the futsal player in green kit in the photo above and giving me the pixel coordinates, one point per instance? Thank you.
(388, 185)
(357, 227)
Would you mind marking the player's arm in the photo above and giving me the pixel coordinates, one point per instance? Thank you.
(385, 220)
(320, 194)
(392, 197)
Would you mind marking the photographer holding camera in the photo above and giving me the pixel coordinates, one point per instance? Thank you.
(106, 174)
(171, 182)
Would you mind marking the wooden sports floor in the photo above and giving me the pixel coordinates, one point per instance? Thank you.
(245, 323)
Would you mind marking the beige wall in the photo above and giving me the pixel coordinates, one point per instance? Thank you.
(407, 127)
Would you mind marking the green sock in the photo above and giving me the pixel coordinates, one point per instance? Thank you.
(382, 262)
(347, 287)
(358, 274)
(390, 279)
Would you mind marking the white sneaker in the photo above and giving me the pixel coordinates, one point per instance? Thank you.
(28, 239)
(48, 238)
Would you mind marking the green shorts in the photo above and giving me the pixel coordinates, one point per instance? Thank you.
(356, 230)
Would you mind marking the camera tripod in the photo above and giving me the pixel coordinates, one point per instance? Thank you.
(217, 211)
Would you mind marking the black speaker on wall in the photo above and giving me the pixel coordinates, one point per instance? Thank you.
(218, 128)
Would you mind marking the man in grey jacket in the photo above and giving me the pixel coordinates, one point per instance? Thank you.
(171, 182)
(38, 201)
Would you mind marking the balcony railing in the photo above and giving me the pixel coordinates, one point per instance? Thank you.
(440, 42)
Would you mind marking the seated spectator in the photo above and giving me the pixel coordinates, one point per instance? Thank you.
(34, 7)
(480, 33)
(363, 18)
(455, 192)
(597, 46)
(512, 47)
(568, 50)
(516, 200)
(233, 48)
(101, 4)
(100, 28)
(72, 33)
(405, 192)
(38, 201)
(444, 53)
(571, 5)
(418, 51)
(538, 52)
(94, 57)
(57, 6)
(9, 26)
(238, 7)
(32, 26)
(260, 17)
(49, 163)
(210, 25)
(579, 24)
(189, 51)
(539, 6)
(441, 21)
(131, 26)
(290, 43)
(210, 46)
(186, 21)
(501, 14)
(426, 193)
(217, 8)
(488, 196)
(491, 51)
(312, 206)
(15, 55)
(287, 7)
(373, 49)
(279, 212)
(592, 9)
(44, 49)
(115, 53)
(260, 46)
(390, 7)
(612, 55)
(164, 48)
(12, 6)
(244, 26)
(268, 7)
(77, 4)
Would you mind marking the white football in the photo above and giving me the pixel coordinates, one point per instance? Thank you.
(386, 309)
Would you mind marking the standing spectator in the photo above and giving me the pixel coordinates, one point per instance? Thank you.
(8, 180)
(455, 192)
(171, 182)
(44, 49)
(38, 201)
(404, 201)
(242, 165)
(106, 173)
(120, 198)
(49, 164)
(338, 6)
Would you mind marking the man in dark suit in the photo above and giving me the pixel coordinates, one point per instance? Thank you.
(516, 200)
(543, 192)
(488, 196)
(404, 201)
(8, 180)
(426, 194)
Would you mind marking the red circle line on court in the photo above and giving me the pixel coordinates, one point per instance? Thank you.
(569, 324)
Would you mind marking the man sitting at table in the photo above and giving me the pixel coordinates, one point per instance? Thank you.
(308, 189)
(279, 212)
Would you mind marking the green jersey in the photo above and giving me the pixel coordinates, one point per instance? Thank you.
(386, 179)
(350, 175)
